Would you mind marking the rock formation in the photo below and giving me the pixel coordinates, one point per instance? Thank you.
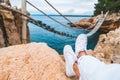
(10, 27)
(34, 61)
(111, 23)
(108, 47)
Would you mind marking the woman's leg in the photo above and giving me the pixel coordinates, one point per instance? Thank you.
(112, 72)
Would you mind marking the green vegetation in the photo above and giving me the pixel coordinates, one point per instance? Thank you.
(105, 5)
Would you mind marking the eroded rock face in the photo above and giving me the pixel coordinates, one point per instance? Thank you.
(111, 23)
(87, 23)
(10, 28)
(2, 41)
(34, 61)
(108, 47)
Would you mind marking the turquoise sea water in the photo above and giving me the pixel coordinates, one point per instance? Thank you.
(55, 41)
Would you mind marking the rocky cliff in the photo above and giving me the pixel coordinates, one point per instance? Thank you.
(10, 27)
(111, 22)
(108, 47)
(34, 61)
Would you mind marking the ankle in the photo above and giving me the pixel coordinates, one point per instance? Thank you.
(81, 53)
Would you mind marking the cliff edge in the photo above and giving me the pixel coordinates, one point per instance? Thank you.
(34, 61)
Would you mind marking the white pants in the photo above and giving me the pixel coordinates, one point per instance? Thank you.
(93, 69)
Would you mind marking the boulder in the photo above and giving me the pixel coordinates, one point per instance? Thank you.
(111, 22)
(34, 61)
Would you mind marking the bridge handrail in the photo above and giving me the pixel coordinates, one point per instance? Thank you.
(98, 25)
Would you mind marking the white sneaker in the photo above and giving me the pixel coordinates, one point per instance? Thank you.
(81, 43)
(69, 59)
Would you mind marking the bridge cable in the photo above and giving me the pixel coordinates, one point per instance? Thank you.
(46, 14)
(98, 25)
(35, 22)
(60, 13)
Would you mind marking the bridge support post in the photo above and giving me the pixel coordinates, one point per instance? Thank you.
(24, 23)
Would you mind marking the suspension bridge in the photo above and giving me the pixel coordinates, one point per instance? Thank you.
(45, 26)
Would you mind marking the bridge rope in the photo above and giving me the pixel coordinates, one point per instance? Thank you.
(44, 26)
(98, 25)
(46, 14)
(35, 22)
(60, 13)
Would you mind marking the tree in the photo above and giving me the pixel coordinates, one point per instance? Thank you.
(107, 5)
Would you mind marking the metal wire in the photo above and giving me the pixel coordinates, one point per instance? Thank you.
(46, 14)
(35, 22)
(98, 25)
(60, 13)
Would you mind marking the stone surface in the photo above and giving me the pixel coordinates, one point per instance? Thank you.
(34, 61)
(108, 47)
(10, 28)
(1, 39)
(111, 23)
